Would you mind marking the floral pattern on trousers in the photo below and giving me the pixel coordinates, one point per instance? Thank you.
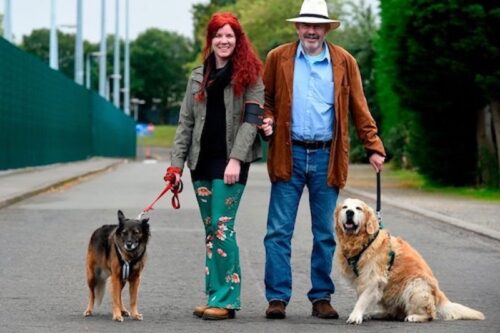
(218, 204)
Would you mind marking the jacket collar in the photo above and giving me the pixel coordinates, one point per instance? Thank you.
(288, 63)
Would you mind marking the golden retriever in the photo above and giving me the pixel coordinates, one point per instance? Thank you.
(391, 278)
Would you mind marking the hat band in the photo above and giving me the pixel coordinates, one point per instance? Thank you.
(314, 15)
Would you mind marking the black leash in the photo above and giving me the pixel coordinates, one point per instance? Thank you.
(379, 214)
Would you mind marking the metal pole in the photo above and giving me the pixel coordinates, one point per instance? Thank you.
(116, 64)
(54, 61)
(7, 22)
(126, 90)
(87, 71)
(79, 44)
(102, 52)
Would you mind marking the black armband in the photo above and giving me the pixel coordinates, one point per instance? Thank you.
(254, 114)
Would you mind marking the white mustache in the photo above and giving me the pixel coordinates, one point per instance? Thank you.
(311, 36)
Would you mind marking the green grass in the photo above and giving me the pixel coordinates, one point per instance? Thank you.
(163, 136)
(413, 179)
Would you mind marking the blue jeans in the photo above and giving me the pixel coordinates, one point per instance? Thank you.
(310, 168)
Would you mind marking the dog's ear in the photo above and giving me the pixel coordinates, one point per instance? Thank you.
(336, 213)
(121, 217)
(371, 220)
(145, 226)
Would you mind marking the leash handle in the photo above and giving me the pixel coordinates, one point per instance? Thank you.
(175, 198)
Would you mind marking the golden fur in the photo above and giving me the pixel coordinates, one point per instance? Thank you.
(405, 289)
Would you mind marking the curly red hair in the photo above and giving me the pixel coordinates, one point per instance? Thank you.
(247, 67)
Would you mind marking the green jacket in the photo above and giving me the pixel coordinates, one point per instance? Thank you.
(242, 142)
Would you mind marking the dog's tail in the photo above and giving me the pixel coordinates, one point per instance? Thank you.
(99, 287)
(455, 311)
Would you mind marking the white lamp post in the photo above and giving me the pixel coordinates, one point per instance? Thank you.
(7, 21)
(54, 54)
(116, 64)
(102, 50)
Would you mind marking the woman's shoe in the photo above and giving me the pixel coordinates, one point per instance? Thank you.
(199, 310)
(218, 314)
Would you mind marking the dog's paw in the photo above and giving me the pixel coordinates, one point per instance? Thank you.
(118, 318)
(87, 313)
(125, 313)
(137, 316)
(355, 318)
(417, 318)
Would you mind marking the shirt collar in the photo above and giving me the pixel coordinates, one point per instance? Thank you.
(302, 54)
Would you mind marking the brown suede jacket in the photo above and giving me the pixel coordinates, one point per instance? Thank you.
(349, 99)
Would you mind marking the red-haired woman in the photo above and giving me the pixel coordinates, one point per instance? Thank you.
(217, 137)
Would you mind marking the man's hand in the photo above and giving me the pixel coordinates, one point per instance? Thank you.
(267, 126)
(377, 162)
(232, 172)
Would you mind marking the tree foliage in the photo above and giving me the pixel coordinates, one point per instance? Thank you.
(38, 43)
(441, 62)
(157, 60)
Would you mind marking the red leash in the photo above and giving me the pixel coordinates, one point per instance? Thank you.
(175, 198)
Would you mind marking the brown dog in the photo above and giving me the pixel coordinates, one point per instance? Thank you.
(119, 252)
(391, 279)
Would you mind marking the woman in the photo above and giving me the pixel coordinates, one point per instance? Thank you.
(218, 142)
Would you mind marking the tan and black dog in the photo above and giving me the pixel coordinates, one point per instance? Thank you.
(118, 252)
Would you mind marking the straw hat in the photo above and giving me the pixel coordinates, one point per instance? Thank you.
(314, 11)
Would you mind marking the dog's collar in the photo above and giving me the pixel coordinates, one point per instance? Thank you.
(353, 261)
(127, 265)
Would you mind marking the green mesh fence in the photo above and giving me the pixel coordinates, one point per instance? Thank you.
(46, 118)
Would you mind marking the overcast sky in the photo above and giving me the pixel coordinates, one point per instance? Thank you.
(172, 15)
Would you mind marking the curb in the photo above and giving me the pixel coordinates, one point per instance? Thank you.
(44, 188)
(480, 230)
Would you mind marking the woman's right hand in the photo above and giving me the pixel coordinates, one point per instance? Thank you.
(173, 175)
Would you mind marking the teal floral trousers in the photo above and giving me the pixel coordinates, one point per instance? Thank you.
(218, 204)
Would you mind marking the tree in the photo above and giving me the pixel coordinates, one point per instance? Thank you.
(442, 77)
(37, 43)
(157, 59)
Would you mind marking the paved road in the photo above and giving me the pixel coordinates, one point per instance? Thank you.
(43, 242)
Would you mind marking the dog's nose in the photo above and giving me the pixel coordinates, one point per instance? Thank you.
(349, 213)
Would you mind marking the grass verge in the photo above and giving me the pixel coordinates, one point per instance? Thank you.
(162, 136)
(413, 179)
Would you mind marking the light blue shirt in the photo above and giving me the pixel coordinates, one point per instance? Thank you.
(313, 96)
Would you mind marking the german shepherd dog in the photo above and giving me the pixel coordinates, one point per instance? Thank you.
(119, 252)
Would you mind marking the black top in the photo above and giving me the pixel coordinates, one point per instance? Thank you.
(213, 137)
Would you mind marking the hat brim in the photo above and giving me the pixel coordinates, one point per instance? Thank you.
(334, 24)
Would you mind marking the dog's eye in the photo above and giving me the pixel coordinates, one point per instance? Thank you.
(359, 208)
(344, 207)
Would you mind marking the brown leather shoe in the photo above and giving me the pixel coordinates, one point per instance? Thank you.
(323, 309)
(218, 314)
(276, 310)
(199, 310)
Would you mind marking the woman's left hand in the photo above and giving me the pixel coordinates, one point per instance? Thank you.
(232, 172)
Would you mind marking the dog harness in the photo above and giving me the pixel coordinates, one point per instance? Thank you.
(127, 266)
(353, 261)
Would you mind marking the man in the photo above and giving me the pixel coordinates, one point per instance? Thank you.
(311, 86)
